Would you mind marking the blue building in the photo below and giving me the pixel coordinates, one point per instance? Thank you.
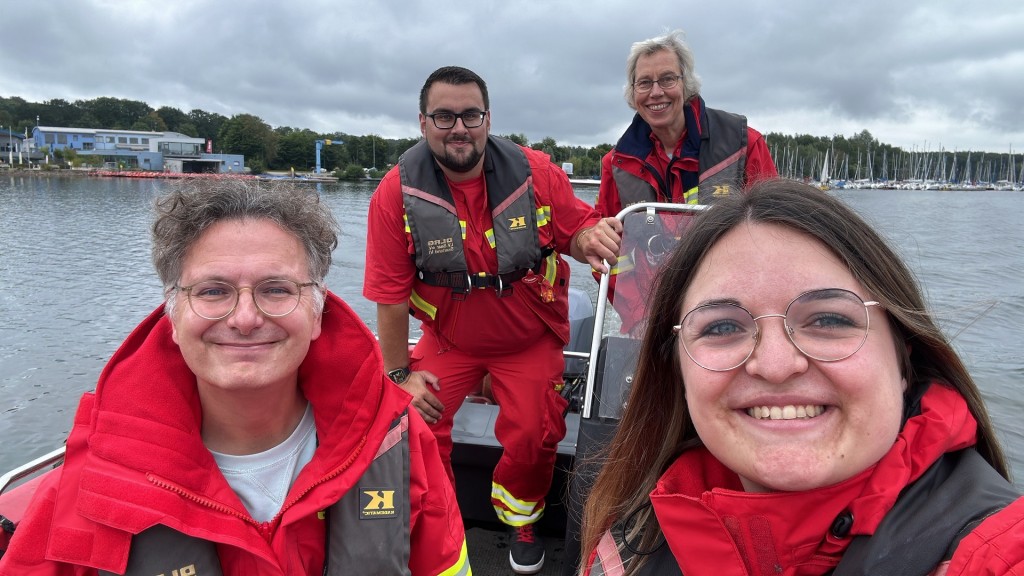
(139, 150)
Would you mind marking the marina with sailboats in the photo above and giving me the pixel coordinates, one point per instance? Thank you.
(917, 169)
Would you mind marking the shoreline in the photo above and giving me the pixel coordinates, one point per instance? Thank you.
(143, 174)
(309, 177)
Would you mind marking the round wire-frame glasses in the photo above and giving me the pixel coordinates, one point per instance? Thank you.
(215, 300)
(827, 325)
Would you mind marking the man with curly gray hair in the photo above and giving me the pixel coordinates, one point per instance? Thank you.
(246, 427)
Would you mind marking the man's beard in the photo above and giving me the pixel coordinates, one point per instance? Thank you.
(460, 164)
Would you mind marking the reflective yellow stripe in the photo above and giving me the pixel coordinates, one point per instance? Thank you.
(405, 219)
(625, 264)
(489, 234)
(551, 269)
(511, 519)
(514, 512)
(461, 567)
(462, 225)
(498, 492)
(690, 196)
(418, 302)
(543, 215)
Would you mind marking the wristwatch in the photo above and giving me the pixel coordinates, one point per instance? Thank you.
(399, 375)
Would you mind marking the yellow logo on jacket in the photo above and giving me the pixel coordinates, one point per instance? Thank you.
(721, 190)
(377, 504)
(517, 223)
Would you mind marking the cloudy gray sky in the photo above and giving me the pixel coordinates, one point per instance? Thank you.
(920, 75)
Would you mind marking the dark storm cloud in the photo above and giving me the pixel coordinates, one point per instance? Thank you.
(909, 73)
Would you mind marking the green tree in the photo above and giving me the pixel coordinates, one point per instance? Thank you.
(550, 147)
(61, 113)
(207, 124)
(518, 139)
(188, 129)
(296, 149)
(173, 118)
(353, 172)
(151, 122)
(115, 113)
(249, 135)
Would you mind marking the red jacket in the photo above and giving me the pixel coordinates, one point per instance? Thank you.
(135, 458)
(715, 528)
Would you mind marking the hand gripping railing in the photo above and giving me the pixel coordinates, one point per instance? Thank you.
(652, 209)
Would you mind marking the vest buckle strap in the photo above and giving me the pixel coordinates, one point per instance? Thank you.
(502, 283)
(462, 282)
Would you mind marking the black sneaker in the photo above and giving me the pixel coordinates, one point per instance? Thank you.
(527, 550)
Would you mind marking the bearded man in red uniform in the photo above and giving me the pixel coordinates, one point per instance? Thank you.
(465, 234)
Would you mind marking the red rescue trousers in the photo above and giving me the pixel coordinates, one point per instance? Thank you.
(530, 423)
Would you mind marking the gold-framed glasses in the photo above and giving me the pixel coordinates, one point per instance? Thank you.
(827, 325)
(214, 300)
(666, 82)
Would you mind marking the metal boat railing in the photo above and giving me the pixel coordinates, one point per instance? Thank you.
(25, 470)
(652, 209)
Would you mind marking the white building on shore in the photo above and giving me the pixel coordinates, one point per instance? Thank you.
(139, 150)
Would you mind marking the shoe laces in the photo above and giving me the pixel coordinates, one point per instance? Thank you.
(525, 533)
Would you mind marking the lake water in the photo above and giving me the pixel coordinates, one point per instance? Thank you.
(75, 278)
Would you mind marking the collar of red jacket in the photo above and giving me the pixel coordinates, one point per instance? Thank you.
(136, 447)
(705, 514)
(147, 414)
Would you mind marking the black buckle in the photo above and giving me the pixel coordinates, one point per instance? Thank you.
(501, 284)
(462, 282)
(480, 280)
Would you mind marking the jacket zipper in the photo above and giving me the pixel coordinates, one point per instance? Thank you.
(265, 529)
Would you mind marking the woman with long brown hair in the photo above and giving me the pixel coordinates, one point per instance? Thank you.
(796, 410)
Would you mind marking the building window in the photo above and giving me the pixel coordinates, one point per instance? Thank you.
(122, 139)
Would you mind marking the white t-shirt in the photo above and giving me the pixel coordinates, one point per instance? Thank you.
(262, 480)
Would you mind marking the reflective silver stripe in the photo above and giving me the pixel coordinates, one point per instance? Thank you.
(722, 164)
(434, 225)
(370, 524)
(430, 213)
(723, 157)
(607, 561)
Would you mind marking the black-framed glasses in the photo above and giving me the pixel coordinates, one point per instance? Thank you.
(666, 82)
(446, 120)
(827, 325)
(214, 300)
